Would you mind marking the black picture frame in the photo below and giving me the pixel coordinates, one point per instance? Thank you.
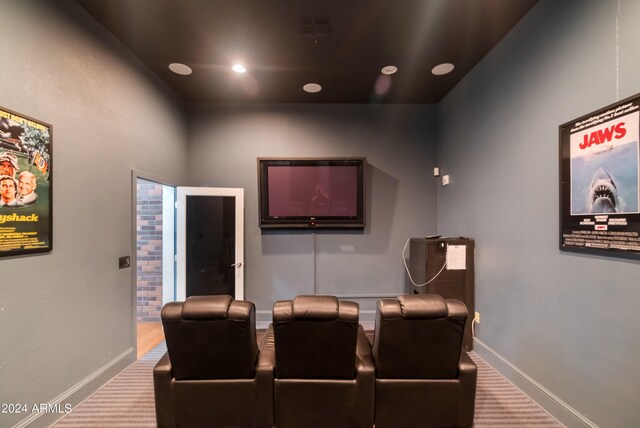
(26, 156)
(333, 220)
(600, 181)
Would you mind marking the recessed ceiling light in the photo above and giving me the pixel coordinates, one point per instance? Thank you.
(182, 69)
(239, 68)
(389, 69)
(441, 69)
(312, 88)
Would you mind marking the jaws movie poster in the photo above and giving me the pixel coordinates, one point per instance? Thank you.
(25, 184)
(600, 212)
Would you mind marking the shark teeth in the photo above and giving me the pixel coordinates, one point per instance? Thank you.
(603, 192)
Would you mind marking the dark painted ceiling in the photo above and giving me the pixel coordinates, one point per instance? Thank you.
(340, 44)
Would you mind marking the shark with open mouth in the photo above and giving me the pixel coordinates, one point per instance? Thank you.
(603, 193)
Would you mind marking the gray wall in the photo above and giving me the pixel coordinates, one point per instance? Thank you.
(567, 321)
(399, 143)
(66, 314)
(570, 322)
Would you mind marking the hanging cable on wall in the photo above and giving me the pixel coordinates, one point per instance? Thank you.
(315, 277)
(404, 260)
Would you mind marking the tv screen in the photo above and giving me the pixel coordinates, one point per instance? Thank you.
(297, 193)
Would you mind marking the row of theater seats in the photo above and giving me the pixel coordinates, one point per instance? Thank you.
(316, 366)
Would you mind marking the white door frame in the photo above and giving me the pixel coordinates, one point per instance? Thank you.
(135, 175)
(181, 235)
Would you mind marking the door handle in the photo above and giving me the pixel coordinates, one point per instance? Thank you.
(237, 265)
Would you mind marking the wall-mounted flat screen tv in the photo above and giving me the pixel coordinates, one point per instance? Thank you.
(311, 193)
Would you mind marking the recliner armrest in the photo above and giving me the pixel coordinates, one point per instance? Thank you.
(163, 366)
(468, 375)
(365, 377)
(364, 356)
(466, 366)
(265, 369)
(267, 357)
(162, 379)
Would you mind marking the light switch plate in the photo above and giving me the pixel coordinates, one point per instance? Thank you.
(124, 262)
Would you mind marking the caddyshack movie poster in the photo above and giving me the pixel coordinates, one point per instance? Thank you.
(600, 211)
(25, 184)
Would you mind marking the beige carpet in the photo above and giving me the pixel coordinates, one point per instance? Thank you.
(127, 400)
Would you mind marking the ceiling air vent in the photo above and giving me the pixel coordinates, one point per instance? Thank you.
(314, 26)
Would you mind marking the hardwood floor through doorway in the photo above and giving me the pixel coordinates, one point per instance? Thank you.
(149, 335)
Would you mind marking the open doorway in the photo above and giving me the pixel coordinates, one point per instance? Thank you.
(155, 259)
(210, 241)
(167, 260)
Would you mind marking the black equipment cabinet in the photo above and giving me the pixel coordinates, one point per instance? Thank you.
(427, 256)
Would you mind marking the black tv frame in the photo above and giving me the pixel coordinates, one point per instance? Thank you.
(307, 222)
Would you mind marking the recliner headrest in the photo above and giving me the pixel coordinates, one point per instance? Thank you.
(315, 307)
(206, 307)
(423, 306)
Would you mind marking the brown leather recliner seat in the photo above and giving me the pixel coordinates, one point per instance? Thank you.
(423, 377)
(210, 376)
(324, 372)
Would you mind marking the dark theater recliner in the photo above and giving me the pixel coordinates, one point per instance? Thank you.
(209, 376)
(423, 377)
(324, 370)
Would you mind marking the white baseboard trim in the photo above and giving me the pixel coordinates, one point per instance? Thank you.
(80, 391)
(265, 316)
(550, 402)
(367, 316)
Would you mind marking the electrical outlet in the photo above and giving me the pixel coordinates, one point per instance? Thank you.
(477, 318)
(445, 180)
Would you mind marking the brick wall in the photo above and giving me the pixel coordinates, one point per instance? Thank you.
(149, 249)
